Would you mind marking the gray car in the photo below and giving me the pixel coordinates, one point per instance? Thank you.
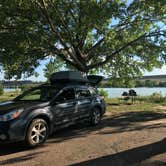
(40, 111)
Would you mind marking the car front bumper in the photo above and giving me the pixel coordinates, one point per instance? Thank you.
(12, 131)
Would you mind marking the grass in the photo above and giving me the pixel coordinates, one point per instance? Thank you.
(8, 96)
(142, 104)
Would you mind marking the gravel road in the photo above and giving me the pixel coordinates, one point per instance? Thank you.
(120, 140)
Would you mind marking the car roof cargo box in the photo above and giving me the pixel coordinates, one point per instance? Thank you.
(68, 77)
(94, 79)
(74, 77)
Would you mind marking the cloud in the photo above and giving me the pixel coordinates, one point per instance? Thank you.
(157, 71)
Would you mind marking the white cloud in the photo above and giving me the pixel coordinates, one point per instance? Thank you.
(157, 71)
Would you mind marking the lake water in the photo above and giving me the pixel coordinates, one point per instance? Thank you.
(10, 90)
(116, 92)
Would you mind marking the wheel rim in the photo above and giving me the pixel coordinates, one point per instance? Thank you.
(96, 116)
(38, 133)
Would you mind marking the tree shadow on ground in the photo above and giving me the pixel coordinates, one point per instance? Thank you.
(130, 157)
(119, 104)
(119, 123)
(113, 104)
(20, 159)
(11, 148)
(124, 122)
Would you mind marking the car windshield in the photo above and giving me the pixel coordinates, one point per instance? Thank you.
(38, 94)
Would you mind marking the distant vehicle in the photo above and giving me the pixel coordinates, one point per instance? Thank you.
(69, 98)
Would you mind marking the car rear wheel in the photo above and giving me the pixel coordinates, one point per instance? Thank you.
(37, 133)
(96, 116)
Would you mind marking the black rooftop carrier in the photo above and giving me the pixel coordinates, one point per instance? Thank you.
(74, 77)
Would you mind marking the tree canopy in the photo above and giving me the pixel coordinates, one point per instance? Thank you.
(51, 67)
(118, 37)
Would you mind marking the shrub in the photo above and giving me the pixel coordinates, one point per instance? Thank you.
(157, 98)
(103, 93)
(1, 89)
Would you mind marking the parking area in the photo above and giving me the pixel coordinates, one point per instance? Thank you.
(127, 138)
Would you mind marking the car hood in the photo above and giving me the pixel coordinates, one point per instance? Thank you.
(9, 106)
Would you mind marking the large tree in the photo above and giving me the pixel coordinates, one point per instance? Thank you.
(118, 37)
(51, 67)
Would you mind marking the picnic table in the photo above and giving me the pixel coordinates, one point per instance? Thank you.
(126, 96)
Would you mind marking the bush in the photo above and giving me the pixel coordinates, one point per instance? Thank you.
(157, 98)
(103, 93)
(1, 89)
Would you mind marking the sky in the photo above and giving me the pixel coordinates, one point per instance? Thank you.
(157, 71)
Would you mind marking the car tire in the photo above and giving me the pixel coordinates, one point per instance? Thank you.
(37, 133)
(95, 116)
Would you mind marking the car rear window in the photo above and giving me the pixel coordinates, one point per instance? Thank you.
(81, 93)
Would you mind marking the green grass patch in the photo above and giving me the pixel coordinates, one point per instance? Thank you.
(141, 104)
(8, 96)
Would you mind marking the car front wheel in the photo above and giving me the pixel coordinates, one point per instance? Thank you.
(37, 133)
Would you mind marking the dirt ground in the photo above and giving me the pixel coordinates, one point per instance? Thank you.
(131, 138)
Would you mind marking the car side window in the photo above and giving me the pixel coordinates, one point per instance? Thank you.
(82, 93)
(67, 94)
(34, 95)
(49, 93)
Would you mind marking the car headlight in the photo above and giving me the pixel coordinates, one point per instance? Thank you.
(10, 116)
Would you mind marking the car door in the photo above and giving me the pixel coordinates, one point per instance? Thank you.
(64, 107)
(84, 101)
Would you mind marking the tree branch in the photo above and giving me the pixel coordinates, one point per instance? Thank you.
(78, 54)
(63, 21)
(116, 52)
(94, 46)
(45, 13)
(63, 57)
(155, 33)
